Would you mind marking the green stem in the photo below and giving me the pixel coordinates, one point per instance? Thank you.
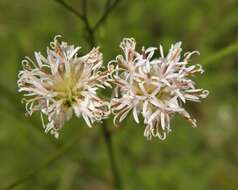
(105, 14)
(91, 40)
(108, 140)
(221, 54)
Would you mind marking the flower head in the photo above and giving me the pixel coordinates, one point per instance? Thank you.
(64, 83)
(156, 88)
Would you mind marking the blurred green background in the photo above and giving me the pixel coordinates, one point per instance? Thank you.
(201, 158)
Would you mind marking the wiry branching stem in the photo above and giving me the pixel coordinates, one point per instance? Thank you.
(108, 139)
(108, 8)
(83, 17)
(70, 9)
(91, 40)
(107, 134)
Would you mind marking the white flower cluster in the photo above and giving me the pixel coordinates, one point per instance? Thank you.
(64, 83)
(155, 88)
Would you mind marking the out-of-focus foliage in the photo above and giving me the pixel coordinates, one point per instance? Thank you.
(201, 158)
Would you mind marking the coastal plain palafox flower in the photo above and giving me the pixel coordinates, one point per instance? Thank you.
(155, 88)
(63, 84)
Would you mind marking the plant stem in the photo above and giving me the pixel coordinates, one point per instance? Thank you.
(220, 54)
(108, 140)
(107, 11)
(91, 40)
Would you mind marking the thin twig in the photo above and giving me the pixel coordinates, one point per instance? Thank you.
(88, 27)
(91, 38)
(105, 14)
(91, 33)
(83, 17)
(85, 8)
(106, 132)
(108, 140)
(70, 9)
(90, 30)
(107, 5)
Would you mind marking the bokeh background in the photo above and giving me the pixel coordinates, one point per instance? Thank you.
(201, 158)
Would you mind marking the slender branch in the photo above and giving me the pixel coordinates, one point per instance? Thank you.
(70, 9)
(85, 9)
(82, 17)
(106, 13)
(107, 5)
(108, 140)
(53, 158)
(221, 54)
(90, 30)
(106, 132)
(91, 34)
